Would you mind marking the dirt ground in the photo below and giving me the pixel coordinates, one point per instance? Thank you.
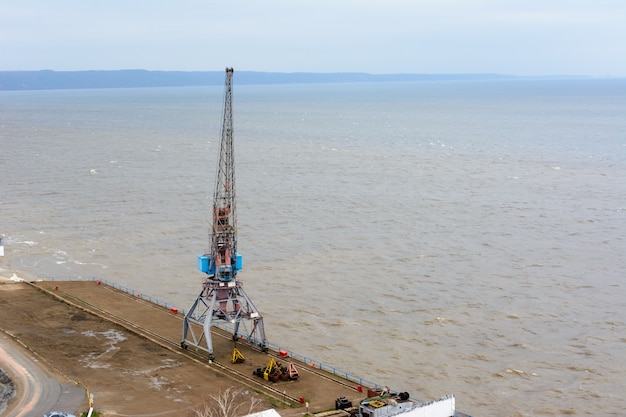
(127, 374)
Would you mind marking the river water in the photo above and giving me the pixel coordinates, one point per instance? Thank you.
(436, 237)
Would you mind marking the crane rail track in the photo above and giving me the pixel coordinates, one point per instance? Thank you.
(174, 346)
(249, 381)
(313, 371)
(320, 374)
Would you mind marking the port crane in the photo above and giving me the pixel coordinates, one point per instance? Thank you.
(222, 297)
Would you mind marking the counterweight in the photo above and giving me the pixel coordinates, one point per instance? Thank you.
(222, 297)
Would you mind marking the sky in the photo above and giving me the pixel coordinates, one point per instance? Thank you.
(516, 37)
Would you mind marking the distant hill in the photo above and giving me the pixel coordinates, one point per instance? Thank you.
(48, 79)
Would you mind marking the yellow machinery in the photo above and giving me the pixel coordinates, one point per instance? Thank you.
(274, 372)
(271, 369)
(237, 356)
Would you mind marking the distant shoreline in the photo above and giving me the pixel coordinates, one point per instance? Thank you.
(138, 78)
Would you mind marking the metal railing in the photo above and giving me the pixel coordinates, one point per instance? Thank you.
(303, 358)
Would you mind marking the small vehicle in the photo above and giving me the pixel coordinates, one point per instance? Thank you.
(58, 414)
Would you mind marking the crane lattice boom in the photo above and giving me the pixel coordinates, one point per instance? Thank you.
(222, 296)
(223, 257)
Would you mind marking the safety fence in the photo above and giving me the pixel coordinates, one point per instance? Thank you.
(303, 358)
(119, 287)
(325, 367)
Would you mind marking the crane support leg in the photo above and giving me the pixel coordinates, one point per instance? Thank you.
(236, 313)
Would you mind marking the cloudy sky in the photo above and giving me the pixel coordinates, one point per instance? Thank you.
(519, 37)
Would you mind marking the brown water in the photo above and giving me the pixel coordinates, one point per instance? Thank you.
(462, 238)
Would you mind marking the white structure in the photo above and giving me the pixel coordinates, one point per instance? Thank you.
(266, 413)
(403, 406)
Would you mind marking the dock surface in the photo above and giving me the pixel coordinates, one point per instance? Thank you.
(69, 309)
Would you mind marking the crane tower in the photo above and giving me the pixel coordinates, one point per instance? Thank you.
(222, 297)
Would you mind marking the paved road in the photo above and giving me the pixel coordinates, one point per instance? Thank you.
(37, 390)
